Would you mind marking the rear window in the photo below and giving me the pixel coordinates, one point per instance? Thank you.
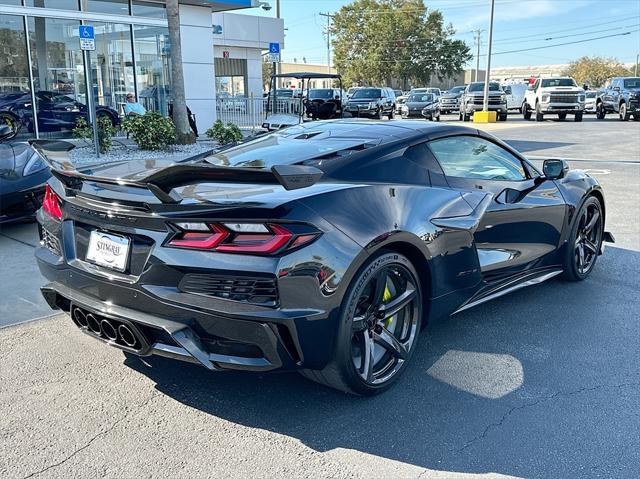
(632, 83)
(421, 97)
(321, 93)
(368, 93)
(553, 82)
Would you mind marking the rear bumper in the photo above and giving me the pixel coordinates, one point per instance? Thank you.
(254, 339)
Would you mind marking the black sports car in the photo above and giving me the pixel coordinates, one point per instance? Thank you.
(323, 247)
(23, 174)
(56, 112)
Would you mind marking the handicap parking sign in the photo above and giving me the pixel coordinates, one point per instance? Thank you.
(274, 48)
(87, 37)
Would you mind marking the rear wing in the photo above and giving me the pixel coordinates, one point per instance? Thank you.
(161, 182)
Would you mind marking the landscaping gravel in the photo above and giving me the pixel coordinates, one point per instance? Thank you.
(127, 150)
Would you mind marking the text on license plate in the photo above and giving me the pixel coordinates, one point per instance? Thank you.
(108, 250)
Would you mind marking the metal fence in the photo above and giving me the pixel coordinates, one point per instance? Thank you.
(251, 112)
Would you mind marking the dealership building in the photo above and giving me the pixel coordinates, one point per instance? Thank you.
(44, 74)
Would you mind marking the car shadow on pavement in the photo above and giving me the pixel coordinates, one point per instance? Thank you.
(538, 383)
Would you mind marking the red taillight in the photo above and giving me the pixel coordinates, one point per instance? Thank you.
(200, 239)
(51, 203)
(240, 238)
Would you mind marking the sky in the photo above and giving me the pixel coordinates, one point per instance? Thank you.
(518, 25)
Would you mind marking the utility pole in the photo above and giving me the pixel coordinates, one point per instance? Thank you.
(485, 106)
(329, 18)
(637, 59)
(476, 37)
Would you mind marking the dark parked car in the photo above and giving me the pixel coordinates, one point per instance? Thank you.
(23, 174)
(417, 103)
(372, 103)
(450, 101)
(621, 96)
(56, 112)
(473, 100)
(323, 247)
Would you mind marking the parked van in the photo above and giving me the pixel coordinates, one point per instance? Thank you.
(515, 94)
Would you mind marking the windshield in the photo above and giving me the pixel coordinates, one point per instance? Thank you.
(368, 93)
(552, 82)
(420, 97)
(321, 93)
(591, 94)
(284, 93)
(632, 83)
(480, 87)
(456, 89)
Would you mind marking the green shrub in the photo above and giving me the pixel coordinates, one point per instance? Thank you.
(150, 131)
(105, 131)
(224, 134)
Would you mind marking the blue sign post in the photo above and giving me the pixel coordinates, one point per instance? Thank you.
(274, 52)
(87, 36)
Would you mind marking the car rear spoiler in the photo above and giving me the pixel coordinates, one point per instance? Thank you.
(162, 182)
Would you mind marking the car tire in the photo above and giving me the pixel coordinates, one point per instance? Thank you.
(624, 113)
(370, 354)
(526, 112)
(379, 115)
(600, 111)
(438, 116)
(460, 116)
(539, 114)
(577, 264)
(636, 117)
(12, 122)
(578, 116)
(562, 116)
(503, 117)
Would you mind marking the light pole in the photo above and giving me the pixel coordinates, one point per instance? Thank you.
(485, 105)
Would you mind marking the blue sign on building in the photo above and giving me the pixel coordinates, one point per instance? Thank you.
(274, 48)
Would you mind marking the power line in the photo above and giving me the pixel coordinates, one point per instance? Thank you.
(567, 43)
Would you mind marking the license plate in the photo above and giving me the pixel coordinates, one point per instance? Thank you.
(111, 251)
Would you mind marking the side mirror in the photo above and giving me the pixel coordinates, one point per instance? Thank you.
(5, 132)
(555, 169)
(616, 88)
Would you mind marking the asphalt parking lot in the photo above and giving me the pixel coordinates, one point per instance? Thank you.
(542, 383)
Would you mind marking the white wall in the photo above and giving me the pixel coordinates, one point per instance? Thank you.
(248, 30)
(197, 62)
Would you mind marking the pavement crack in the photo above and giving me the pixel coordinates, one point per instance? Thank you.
(93, 439)
(514, 409)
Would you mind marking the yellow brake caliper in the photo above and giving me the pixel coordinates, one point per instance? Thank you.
(386, 296)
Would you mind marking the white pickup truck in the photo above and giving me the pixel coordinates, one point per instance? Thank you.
(554, 95)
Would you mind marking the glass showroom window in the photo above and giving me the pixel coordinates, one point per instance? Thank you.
(113, 7)
(229, 86)
(57, 4)
(15, 92)
(58, 75)
(141, 8)
(112, 67)
(152, 50)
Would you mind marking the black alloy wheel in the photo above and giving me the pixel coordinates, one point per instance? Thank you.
(585, 241)
(12, 122)
(526, 112)
(600, 111)
(379, 327)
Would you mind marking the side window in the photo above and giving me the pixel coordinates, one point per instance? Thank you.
(477, 158)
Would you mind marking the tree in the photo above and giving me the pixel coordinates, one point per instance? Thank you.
(595, 71)
(184, 135)
(267, 71)
(378, 41)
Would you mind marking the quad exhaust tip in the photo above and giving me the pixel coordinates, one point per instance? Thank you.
(93, 324)
(80, 318)
(108, 330)
(127, 336)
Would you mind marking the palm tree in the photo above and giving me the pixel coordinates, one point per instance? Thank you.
(184, 134)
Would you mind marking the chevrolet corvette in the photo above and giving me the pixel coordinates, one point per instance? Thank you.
(323, 248)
